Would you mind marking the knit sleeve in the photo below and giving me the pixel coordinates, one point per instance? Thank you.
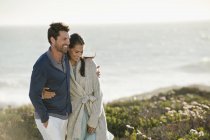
(98, 104)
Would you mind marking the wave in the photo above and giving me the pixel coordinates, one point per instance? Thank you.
(200, 67)
(205, 36)
(13, 84)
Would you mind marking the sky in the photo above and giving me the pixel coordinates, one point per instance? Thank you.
(43, 12)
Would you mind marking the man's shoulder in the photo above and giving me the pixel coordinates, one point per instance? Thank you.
(42, 60)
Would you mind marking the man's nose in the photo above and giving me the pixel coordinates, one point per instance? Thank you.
(68, 42)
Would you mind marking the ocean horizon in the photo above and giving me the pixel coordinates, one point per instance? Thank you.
(133, 58)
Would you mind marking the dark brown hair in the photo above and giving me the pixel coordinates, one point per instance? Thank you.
(54, 29)
(76, 39)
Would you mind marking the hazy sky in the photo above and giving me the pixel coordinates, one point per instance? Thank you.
(32, 12)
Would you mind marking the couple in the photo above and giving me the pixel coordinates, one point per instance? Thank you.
(74, 106)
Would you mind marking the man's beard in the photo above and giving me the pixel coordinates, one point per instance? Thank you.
(62, 49)
(65, 48)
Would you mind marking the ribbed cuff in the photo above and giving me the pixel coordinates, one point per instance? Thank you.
(93, 121)
(44, 119)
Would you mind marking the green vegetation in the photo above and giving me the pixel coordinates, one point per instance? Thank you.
(181, 114)
(18, 124)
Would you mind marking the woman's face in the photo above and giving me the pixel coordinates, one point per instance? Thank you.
(76, 52)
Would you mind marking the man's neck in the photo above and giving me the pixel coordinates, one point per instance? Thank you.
(57, 56)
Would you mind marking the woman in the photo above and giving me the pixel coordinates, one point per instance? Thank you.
(87, 120)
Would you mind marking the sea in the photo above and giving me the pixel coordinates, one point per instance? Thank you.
(133, 58)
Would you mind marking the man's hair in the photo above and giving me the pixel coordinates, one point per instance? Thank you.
(54, 29)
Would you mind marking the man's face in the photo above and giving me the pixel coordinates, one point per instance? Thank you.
(62, 42)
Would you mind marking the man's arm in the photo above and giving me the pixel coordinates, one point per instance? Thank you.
(38, 80)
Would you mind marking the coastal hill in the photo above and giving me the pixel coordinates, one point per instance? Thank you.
(164, 90)
(172, 113)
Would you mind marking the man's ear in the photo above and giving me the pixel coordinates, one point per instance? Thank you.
(52, 40)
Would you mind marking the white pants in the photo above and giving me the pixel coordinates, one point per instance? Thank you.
(56, 129)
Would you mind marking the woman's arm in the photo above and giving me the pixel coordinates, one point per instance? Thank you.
(98, 104)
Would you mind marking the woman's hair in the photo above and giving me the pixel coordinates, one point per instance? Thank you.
(76, 39)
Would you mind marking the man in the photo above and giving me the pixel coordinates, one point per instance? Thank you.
(52, 71)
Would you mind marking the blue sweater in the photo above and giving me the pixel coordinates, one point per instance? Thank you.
(44, 74)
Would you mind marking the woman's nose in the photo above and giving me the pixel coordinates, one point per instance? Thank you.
(80, 54)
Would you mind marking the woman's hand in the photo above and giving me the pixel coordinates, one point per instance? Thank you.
(90, 130)
(47, 94)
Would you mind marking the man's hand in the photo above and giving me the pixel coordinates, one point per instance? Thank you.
(90, 129)
(46, 94)
(45, 124)
(98, 73)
